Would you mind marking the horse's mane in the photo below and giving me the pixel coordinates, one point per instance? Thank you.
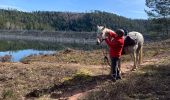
(108, 30)
(104, 29)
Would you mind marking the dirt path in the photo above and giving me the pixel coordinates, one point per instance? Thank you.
(126, 68)
(79, 86)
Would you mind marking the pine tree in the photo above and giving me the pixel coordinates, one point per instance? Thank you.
(160, 10)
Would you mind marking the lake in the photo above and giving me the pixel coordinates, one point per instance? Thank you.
(19, 54)
(19, 49)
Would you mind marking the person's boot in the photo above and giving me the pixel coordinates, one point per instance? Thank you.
(118, 78)
(113, 78)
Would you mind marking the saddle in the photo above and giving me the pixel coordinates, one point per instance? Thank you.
(129, 41)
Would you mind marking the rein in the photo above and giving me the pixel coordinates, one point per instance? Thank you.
(105, 60)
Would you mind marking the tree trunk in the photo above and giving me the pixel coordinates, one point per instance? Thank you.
(166, 26)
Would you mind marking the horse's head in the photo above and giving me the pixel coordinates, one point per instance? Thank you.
(101, 34)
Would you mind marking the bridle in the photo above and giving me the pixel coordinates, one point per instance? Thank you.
(100, 39)
(100, 36)
(105, 60)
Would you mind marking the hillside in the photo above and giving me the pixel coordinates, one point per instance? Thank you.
(66, 21)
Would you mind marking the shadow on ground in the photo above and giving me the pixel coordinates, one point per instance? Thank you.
(148, 83)
(77, 84)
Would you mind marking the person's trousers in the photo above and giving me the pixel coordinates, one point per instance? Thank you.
(115, 65)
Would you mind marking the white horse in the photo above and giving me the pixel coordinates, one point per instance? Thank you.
(133, 43)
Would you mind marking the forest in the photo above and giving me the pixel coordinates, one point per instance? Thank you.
(67, 21)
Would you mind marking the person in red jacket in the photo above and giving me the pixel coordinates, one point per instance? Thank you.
(115, 41)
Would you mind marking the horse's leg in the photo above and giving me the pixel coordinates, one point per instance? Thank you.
(141, 55)
(134, 59)
(132, 54)
(137, 58)
(138, 55)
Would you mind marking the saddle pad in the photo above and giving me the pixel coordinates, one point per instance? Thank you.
(129, 41)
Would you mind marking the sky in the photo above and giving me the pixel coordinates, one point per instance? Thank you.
(133, 9)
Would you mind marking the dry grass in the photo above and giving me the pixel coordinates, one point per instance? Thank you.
(69, 56)
(18, 80)
(6, 58)
(73, 69)
(149, 83)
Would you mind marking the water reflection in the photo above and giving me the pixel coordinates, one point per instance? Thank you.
(19, 54)
(20, 48)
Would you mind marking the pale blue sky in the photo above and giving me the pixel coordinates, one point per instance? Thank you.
(127, 8)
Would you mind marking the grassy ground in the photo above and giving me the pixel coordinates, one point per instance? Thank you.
(54, 76)
(148, 83)
(69, 56)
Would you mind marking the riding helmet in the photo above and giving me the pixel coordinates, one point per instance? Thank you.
(120, 32)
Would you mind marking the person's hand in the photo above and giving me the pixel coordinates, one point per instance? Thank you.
(107, 34)
(105, 38)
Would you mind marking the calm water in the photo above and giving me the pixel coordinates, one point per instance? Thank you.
(20, 49)
(19, 54)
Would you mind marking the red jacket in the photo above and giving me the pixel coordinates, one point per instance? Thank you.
(115, 44)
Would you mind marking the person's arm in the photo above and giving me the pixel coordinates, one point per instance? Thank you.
(108, 41)
(112, 34)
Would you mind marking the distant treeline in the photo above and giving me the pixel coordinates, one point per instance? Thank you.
(49, 36)
(67, 21)
(59, 36)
